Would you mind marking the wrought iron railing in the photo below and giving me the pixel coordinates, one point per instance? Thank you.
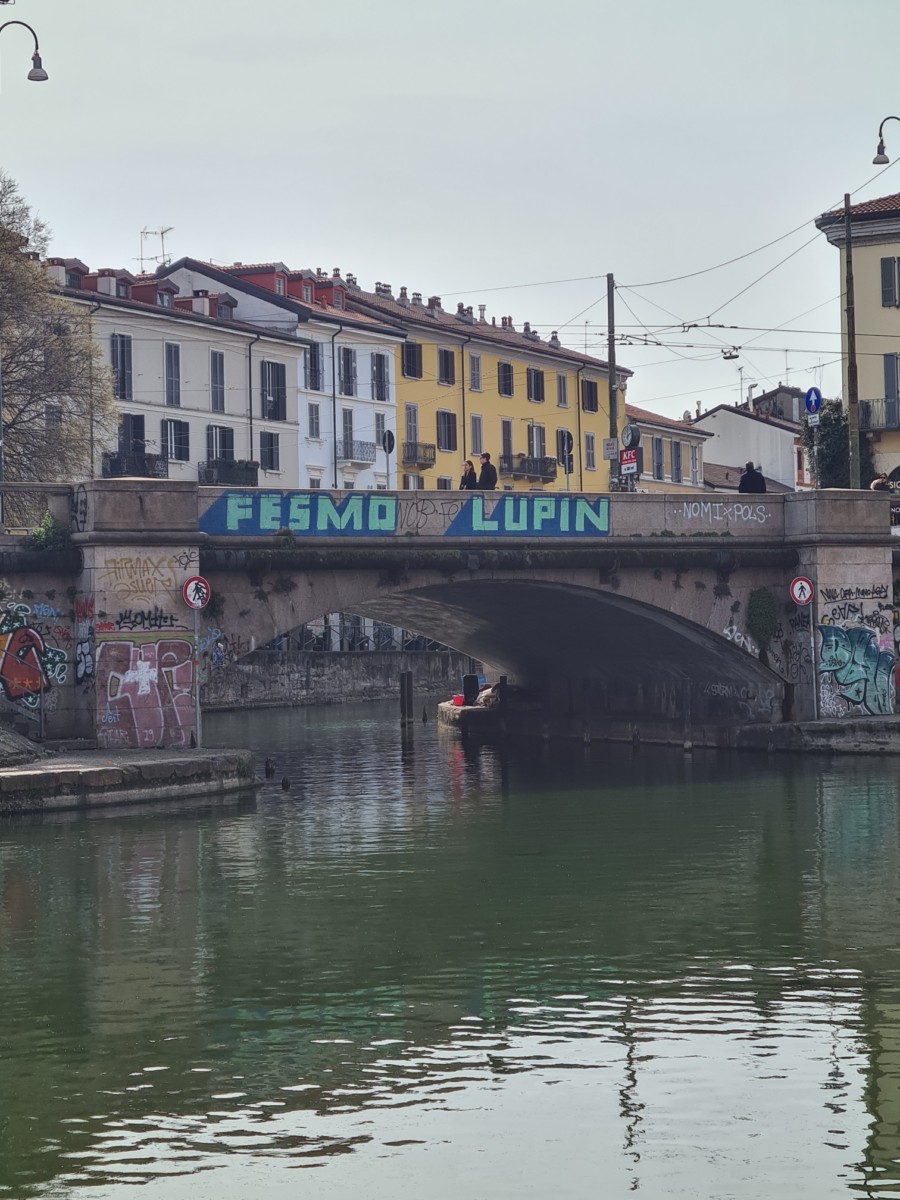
(350, 450)
(150, 466)
(882, 413)
(419, 454)
(527, 466)
(226, 471)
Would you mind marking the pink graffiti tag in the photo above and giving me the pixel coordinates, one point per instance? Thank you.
(144, 688)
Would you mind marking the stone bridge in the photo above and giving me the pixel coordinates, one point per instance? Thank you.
(665, 615)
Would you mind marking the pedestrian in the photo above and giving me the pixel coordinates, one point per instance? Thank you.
(487, 480)
(880, 483)
(752, 480)
(469, 481)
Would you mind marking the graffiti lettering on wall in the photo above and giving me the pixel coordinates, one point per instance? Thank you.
(144, 619)
(877, 591)
(717, 511)
(145, 687)
(138, 578)
(740, 639)
(222, 647)
(854, 670)
(28, 665)
(368, 514)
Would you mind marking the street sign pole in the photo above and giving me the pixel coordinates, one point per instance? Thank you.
(197, 728)
(802, 592)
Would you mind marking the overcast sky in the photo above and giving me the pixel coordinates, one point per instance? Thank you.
(466, 147)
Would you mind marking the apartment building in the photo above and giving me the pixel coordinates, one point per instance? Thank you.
(671, 451)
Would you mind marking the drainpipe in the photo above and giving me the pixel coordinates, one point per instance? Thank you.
(250, 346)
(462, 380)
(94, 307)
(338, 331)
(580, 449)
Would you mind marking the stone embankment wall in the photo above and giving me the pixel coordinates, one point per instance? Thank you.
(326, 678)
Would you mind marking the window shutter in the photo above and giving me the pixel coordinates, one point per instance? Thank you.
(890, 376)
(888, 282)
(211, 443)
(353, 370)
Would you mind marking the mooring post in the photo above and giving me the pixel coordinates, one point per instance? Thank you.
(404, 713)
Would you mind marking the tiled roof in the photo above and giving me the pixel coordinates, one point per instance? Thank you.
(776, 422)
(641, 417)
(724, 479)
(436, 319)
(883, 206)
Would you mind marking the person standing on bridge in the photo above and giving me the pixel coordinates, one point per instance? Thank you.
(752, 480)
(469, 481)
(487, 480)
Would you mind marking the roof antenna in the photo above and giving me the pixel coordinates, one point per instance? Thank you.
(161, 259)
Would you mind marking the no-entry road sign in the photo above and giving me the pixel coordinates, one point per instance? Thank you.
(802, 590)
(196, 592)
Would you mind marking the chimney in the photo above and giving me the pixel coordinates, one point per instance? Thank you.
(526, 329)
(403, 298)
(698, 410)
(417, 298)
(351, 280)
(460, 309)
(434, 305)
(554, 340)
(335, 272)
(509, 323)
(494, 321)
(482, 308)
(386, 290)
(503, 322)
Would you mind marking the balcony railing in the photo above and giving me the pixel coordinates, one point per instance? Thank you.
(351, 451)
(148, 466)
(879, 414)
(526, 466)
(229, 472)
(419, 454)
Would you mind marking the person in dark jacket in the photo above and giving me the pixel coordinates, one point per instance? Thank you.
(487, 480)
(469, 481)
(751, 480)
(880, 483)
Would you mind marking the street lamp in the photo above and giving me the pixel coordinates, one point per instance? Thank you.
(37, 74)
(881, 159)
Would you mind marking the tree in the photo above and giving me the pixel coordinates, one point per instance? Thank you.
(56, 399)
(827, 446)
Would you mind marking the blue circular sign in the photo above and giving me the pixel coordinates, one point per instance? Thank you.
(813, 400)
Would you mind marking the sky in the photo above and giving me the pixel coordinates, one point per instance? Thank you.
(498, 153)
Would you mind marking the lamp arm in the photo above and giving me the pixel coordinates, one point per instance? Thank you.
(37, 48)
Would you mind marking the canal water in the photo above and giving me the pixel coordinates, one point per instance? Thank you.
(432, 971)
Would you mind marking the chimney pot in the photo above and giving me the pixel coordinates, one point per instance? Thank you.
(482, 309)
(336, 273)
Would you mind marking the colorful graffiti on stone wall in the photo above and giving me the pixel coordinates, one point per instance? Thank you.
(29, 665)
(144, 692)
(855, 670)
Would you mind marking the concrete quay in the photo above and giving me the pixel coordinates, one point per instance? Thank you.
(88, 779)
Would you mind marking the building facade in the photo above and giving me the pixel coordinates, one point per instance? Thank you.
(671, 452)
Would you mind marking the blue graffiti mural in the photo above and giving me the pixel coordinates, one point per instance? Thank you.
(377, 514)
(861, 671)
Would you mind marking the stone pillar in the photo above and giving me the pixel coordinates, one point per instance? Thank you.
(134, 633)
(844, 542)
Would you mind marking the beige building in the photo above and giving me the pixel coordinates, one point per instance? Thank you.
(875, 233)
(672, 451)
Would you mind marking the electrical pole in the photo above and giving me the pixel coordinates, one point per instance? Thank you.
(852, 375)
(613, 381)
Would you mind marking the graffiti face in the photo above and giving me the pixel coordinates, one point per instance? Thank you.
(21, 672)
(861, 671)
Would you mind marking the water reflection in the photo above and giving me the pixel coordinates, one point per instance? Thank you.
(433, 968)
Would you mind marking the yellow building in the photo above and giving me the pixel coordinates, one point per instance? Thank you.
(672, 452)
(875, 233)
(468, 384)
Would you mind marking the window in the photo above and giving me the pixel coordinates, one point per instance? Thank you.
(338, 299)
(890, 290)
(131, 434)
(537, 441)
(445, 483)
(175, 440)
(224, 312)
(346, 371)
(659, 469)
(562, 392)
(565, 445)
(217, 380)
(120, 354)
(122, 289)
(269, 458)
(379, 377)
(412, 360)
(380, 426)
(279, 285)
(273, 391)
(412, 422)
(695, 464)
(477, 438)
(589, 401)
(475, 372)
(506, 446)
(219, 443)
(446, 366)
(73, 279)
(307, 296)
(413, 483)
(347, 431)
(164, 299)
(315, 481)
(314, 428)
(446, 430)
(505, 378)
(535, 384)
(173, 375)
(590, 451)
(314, 367)
(676, 462)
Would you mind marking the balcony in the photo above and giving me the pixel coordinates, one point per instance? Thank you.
(360, 454)
(418, 454)
(229, 472)
(879, 414)
(146, 466)
(525, 466)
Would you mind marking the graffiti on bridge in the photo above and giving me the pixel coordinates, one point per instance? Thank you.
(856, 672)
(28, 665)
(144, 692)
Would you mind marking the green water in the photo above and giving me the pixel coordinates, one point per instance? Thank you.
(428, 971)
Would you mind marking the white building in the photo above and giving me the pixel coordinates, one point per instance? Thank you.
(741, 436)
